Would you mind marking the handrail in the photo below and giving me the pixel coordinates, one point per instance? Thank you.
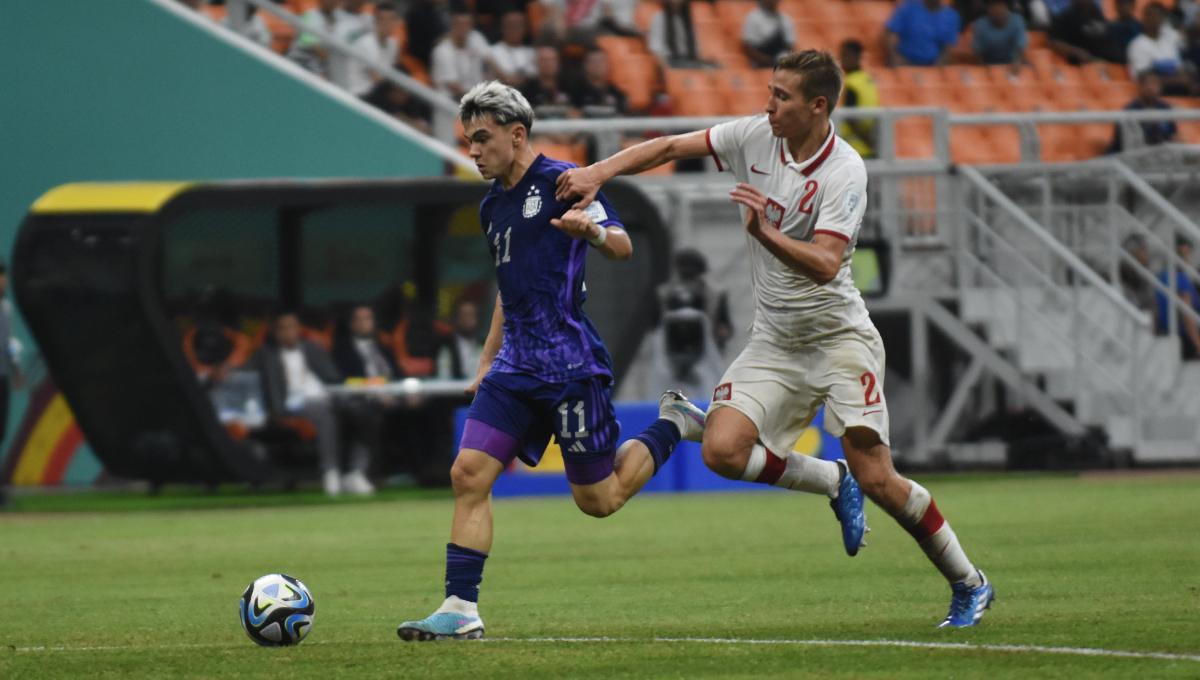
(1077, 265)
(1050, 117)
(1156, 199)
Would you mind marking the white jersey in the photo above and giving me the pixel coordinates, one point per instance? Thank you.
(825, 194)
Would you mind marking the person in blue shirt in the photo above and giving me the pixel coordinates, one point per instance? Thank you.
(544, 370)
(1185, 288)
(920, 32)
(1000, 36)
(1149, 98)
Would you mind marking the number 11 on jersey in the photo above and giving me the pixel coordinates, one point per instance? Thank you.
(503, 254)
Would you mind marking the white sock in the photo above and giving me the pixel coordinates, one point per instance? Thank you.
(921, 517)
(792, 471)
(457, 605)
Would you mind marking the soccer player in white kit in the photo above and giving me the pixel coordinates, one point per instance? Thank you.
(803, 195)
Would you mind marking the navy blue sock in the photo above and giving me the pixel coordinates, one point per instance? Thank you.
(464, 571)
(661, 438)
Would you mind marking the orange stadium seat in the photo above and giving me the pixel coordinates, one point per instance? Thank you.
(967, 76)
(703, 13)
(574, 153)
(872, 12)
(637, 76)
(713, 44)
(744, 90)
(732, 14)
(920, 76)
(694, 92)
(1189, 131)
(914, 137)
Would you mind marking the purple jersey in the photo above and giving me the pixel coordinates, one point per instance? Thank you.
(539, 270)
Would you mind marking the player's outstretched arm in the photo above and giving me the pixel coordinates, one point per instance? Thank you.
(491, 346)
(819, 260)
(612, 242)
(583, 183)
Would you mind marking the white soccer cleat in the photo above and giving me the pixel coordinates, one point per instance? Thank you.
(676, 408)
(357, 484)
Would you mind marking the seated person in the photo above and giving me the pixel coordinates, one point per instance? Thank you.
(767, 33)
(920, 32)
(1158, 50)
(1000, 36)
(1080, 34)
(672, 37)
(596, 97)
(1149, 98)
(357, 351)
(294, 374)
(1185, 288)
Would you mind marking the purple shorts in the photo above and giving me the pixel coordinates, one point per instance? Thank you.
(514, 416)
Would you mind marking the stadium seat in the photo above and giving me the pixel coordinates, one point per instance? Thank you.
(574, 153)
(1189, 131)
(214, 12)
(745, 90)
(969, 145)
(920, 76)
(914, 137)
(967, 76)
(732, 14)
(694, 92)
(714, 45)
(637, 76)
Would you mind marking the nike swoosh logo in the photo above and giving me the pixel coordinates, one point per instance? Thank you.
(867, 413)
(756, 170)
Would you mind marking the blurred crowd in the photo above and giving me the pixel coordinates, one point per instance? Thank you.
(281, 379)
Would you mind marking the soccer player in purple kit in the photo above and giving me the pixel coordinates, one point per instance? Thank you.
(544, 370)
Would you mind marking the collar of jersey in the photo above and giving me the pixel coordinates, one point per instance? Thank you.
(810, 164)
(499, 186)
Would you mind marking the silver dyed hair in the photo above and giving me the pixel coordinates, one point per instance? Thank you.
(493, 98)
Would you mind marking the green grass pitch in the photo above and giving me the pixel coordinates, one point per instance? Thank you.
(124, 586)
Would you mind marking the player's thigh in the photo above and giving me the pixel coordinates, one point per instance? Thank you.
(499, 419)
(771, 388)
(581, 417)
(852, 373)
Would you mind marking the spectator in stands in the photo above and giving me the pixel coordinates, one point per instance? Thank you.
(1185, 288)
(596, 16)
(354, 21)
(461, 358)
(1149, 98)
(1157, 49)
(379, 46)
(1080, 34)
(308, 49)
(1134, 283)
(859, 91)
(401, 105)
(294, 375)
(544, 91)
(192, 4)
(427, 21)
(767, 33)
(357, 352)
(672, 37)
(253, 27)
(1126, 26)
(921, 32)
(460, 58)
(512, 58)
(1191, 50)
(596, 97)
(999, 35)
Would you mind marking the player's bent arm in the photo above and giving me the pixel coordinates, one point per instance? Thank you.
(585, 182)
(819, 260)
(612, 241)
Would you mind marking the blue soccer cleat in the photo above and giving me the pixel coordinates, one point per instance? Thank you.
(848, 508)
(968, 604)
(442, 626)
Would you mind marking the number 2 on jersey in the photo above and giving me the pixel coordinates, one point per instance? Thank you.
(868, 381)
(503, 255)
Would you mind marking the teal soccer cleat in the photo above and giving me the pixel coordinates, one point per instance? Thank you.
(442, 626)
(848, 508)
(968, 604)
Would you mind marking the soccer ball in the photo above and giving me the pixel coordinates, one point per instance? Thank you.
(276, 610)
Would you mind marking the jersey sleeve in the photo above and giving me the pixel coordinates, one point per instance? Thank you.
(843, 203)
(602, 212)
(727, 143)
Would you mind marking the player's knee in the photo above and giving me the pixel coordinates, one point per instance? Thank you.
(724, 456)
(468, 477)
(598, 507)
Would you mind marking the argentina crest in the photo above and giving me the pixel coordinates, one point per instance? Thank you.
(533, 203)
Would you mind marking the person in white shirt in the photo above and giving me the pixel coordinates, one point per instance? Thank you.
(802, 190)
(612, 16)
(459, 59)
(512, 58)
(1157, 49)
(253, 27)
(672, 37)
(379, 45)
(767, 33)
(308, 49)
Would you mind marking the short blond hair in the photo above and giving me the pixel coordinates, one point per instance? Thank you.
(821, 76)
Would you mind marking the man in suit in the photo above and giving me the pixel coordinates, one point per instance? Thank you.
(294, 374)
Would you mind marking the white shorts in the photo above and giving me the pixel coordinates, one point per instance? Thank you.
(779, 390)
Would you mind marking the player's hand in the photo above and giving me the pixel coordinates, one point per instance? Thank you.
(580, 183)
(576, 224)
(474, 386)
(756, 201)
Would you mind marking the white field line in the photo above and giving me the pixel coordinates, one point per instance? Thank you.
(949, 646)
